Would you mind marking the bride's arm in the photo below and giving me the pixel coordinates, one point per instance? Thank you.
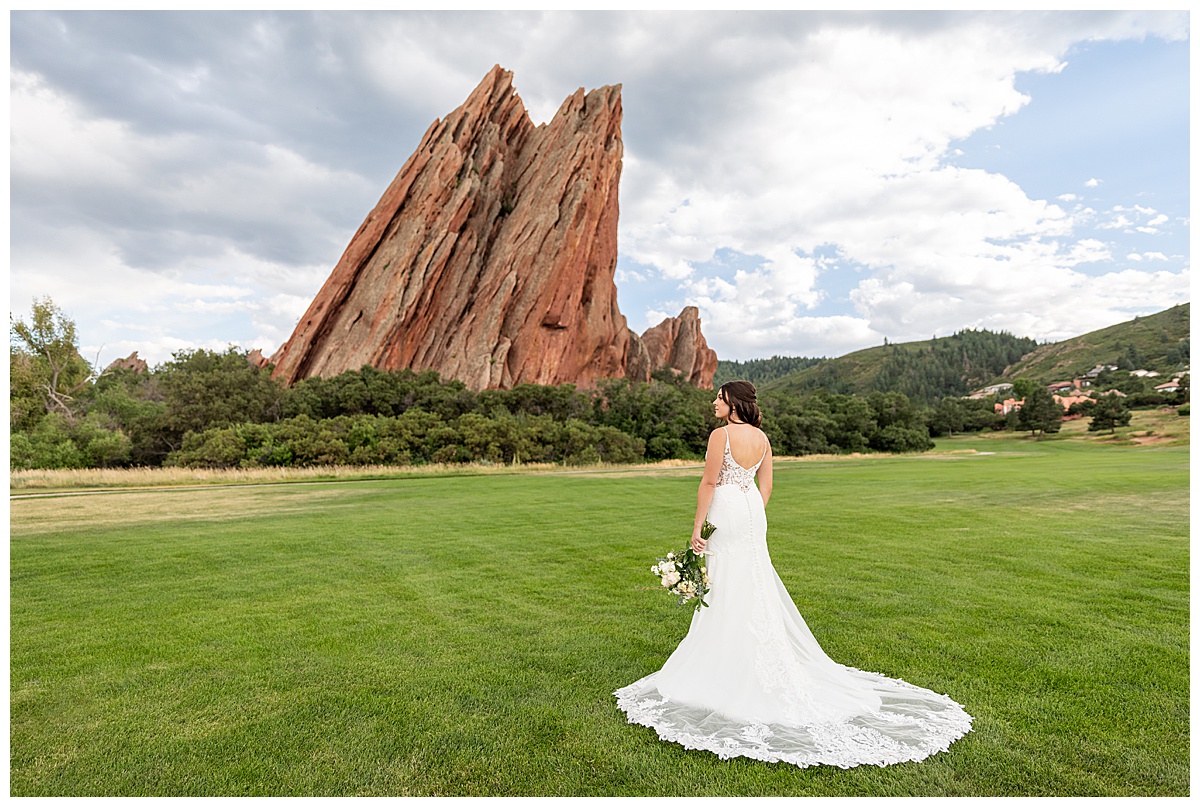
(764, 476)
(708, 483)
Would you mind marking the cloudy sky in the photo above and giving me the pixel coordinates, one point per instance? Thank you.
(814, 181)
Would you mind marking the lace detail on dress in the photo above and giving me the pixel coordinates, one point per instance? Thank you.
(845, 745)
(733, 474)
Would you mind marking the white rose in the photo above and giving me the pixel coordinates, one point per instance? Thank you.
(670, 556)
(670, 579)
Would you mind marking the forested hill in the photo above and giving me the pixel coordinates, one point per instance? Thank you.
(1160, 342)
(924, 371)
(760, 371)
(955, 365)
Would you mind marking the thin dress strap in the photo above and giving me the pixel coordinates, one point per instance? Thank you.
(726, 430)
(766, 448)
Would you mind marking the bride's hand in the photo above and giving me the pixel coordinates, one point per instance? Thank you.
(698, 543)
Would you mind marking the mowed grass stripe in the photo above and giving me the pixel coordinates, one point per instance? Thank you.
(462, 636)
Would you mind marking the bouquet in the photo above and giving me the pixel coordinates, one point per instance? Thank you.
(684, 573)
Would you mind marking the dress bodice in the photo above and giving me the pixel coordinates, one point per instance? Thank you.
(733, 474)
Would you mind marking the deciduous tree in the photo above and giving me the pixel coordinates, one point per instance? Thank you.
(203, 389)
(45, 360)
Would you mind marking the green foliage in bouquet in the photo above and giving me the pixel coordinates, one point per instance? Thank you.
(684, 573)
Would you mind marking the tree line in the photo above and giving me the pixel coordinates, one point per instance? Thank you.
(207, 408)
(760, 371)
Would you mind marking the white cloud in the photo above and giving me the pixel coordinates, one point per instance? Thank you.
(654, 317)
(865, 174)
(757, 302)
(1146, 256)
(157, 312)
(1129, 223)
(1053, 304)
(1092, 183)
(1089, 250)
(181, 192)
(148, 224)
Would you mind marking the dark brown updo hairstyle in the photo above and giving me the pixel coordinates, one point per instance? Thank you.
(743, 399)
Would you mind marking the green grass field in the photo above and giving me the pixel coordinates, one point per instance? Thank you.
(462, 635)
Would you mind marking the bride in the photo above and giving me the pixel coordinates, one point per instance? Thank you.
(749, 679)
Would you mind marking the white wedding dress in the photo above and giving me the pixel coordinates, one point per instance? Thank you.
(750, 680)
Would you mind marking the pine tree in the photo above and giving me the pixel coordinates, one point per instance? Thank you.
(1040, 413)
(1108, 413)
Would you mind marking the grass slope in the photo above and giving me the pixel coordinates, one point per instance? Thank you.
(850, 373)
(462, 635)
(1153, 336)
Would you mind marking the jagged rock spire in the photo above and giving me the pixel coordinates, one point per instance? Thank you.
(490, 257)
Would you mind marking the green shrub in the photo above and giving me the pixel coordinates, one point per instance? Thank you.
(47, 446)
(102, 444)
(1145, 400)
(901, 439)
(57, 442)
(213, 448)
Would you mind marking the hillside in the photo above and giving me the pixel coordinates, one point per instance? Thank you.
(760, 371)
(1158, 342)
(951, 365)
(968, 360)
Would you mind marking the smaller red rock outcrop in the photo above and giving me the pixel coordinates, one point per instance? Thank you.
(130, 362)
(677, 343)
(257, 359)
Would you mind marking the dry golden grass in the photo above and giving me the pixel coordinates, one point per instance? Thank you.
(50, 482)
(1162, 426)
(180, 506)
(102, 478)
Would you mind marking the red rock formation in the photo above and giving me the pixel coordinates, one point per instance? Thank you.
(490, 257)
(676, 342)
(130, 362)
